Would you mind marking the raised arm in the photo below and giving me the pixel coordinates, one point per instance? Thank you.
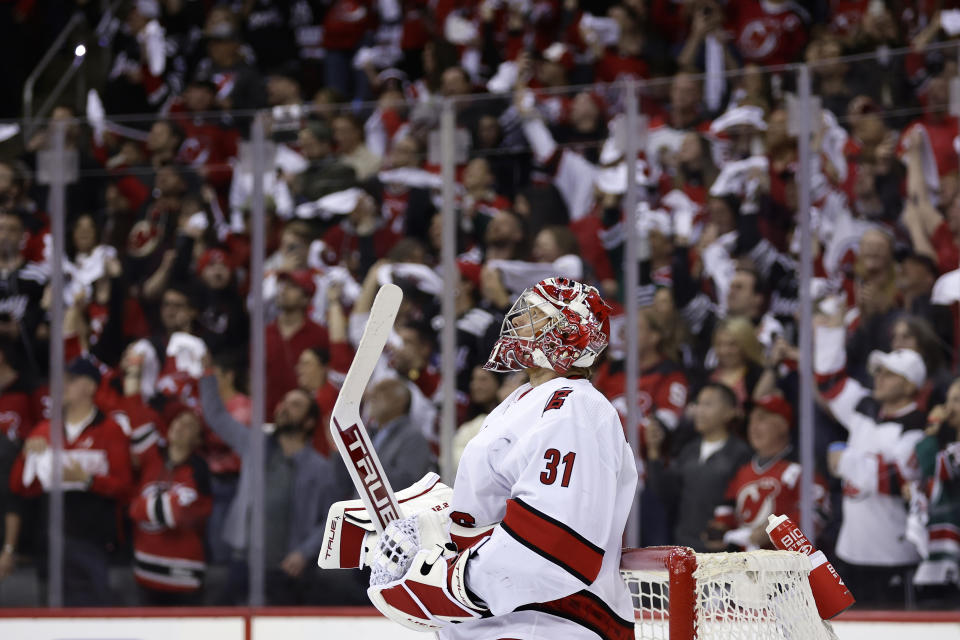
(232, 432)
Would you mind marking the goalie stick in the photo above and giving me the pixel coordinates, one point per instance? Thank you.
(353, 441)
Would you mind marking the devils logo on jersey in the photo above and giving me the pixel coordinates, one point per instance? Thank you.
(756, 500)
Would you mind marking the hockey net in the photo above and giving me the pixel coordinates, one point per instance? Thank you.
(681, 595)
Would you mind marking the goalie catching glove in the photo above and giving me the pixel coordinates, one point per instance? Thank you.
(419, 576)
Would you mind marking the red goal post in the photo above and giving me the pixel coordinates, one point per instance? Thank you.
(679, 594)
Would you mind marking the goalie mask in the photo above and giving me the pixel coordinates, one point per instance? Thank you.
(557, 324)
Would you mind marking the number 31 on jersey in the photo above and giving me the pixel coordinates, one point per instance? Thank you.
(554, 460)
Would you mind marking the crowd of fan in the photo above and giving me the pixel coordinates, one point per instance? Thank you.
(156, 402)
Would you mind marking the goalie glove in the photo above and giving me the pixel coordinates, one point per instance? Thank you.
(419, 576)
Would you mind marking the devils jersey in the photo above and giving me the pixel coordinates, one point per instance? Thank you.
(767, 33)
(661, 390)
(103, 450)
(16, 410)
(762, 488)
(552, 467)
(170, 510)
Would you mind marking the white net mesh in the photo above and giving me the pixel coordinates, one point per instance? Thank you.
(755, 595)
(396, 548)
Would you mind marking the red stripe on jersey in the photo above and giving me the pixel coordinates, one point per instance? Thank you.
(587, 610)
(944, 532)
(398, 598)
(553, 540)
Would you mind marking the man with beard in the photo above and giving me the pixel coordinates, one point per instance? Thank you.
(291, 333)
(325, 174)
(299, 487)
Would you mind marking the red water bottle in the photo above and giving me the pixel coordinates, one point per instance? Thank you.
(829, 591)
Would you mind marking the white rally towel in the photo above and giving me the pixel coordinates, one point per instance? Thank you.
(715, 82)
(931, 173)
(187, 352)
(614, 179)
(733, 177)
(946, 290)
(39, 466)
(338, 203)
(517, 275)
(83, 272)
(411, 177)
(425, 278)
(653, 220)
(749, 116)
(149, 368)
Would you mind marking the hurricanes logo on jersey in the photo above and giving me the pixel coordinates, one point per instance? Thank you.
(556, 400)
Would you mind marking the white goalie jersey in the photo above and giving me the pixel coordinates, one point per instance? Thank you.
(552, 470)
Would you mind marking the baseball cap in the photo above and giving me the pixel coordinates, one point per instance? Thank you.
(903, 362)
(174, 408)
(470, 271)
(302, 278)
(84, 367)
(776, 404)
(212, 256)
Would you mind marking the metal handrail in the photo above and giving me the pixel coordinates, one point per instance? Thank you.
(103, 35)
(75, 21)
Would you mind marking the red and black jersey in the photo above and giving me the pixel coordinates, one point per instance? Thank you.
(343, 245)
(766, 34)
(345, 24)
(947, 248)
(613, 66)
(760, 489)
(142, 424)
(282, 356)
(17, 415)
(89, 514)
(170, 510)
(662, 390)
(590, 234)
(326, 397)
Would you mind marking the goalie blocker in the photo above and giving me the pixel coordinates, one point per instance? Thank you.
(351, 538)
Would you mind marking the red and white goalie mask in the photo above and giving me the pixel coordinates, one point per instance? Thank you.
(557, 324)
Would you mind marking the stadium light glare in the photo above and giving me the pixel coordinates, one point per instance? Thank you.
(80, 51)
